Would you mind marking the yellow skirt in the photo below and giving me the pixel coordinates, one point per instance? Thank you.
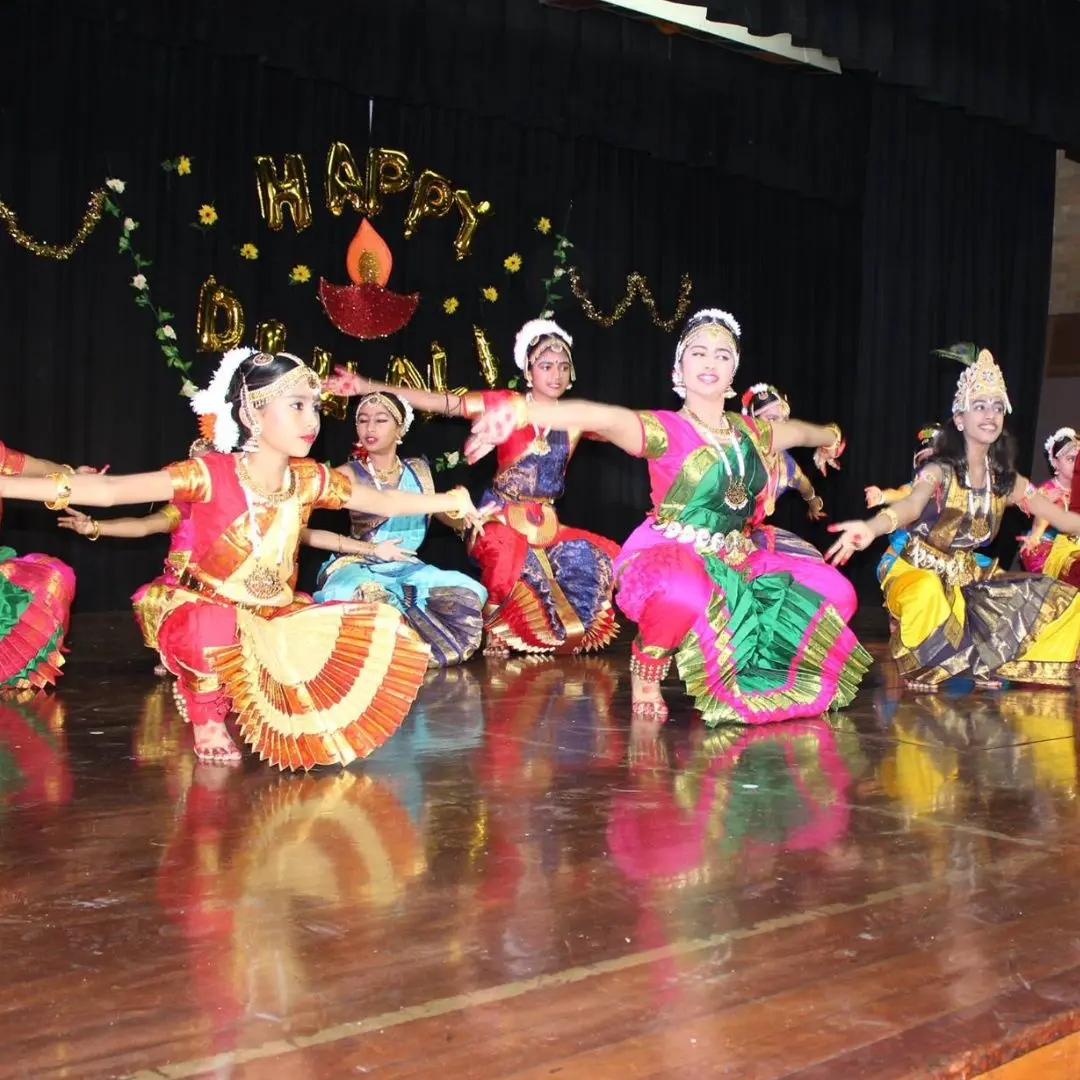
(1021, 627)
(1061, 559)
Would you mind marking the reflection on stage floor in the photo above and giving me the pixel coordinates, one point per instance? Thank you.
(524, 883)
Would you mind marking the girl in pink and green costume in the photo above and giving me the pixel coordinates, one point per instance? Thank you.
(752, 643)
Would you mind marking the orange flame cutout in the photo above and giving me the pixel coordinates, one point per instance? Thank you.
(368, 258)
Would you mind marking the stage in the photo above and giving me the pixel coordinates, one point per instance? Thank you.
(522, 883)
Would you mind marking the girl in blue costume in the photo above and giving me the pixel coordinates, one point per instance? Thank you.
(443, 606)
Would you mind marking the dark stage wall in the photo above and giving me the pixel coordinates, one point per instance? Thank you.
(850, 225)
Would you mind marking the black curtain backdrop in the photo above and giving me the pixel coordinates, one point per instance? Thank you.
(1012, 60)
(850, 226)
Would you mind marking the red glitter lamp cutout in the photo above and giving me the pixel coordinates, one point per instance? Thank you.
(367, 309)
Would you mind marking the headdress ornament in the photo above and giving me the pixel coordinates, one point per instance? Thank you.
(211, 402)
(768, 393)
(533, 333)
(981, 376)
(1058, 441)
(398, 408)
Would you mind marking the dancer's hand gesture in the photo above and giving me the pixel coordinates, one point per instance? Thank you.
(854, 536)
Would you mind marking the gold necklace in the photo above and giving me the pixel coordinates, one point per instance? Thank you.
(385, 475)
(271, 498)
(723, 428)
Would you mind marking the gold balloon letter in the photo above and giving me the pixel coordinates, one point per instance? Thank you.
(333, 404)
(215, 299)
(471, 213)
(270, 336)
(291, 191)
(432, 197)
(343, 183)
(437, 372)
(388, 172)
(489, 364)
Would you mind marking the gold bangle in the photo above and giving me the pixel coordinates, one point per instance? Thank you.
(67, 469)
(461, 494)
(63, 492)
(521, 411)
(95, 531)
(889, 514)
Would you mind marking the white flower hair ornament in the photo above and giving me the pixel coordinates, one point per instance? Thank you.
(532, 333)
(1064, 435)
(700, 319)
(212, 401)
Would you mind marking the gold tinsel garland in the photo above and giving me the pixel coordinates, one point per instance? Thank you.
(635, 286)
(55, 251)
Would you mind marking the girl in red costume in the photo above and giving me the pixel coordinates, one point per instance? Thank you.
(311, 684)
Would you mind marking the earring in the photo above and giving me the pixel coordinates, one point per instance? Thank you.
(251, 443)
(729, 393)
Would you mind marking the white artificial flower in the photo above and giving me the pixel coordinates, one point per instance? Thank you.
(558, 272)
(168, 332)
(116, 185)
(452, 458)
(130, 224)
(139, 282)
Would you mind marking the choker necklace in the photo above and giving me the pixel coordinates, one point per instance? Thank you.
(383, 476)
(270, 498)
(723, 428)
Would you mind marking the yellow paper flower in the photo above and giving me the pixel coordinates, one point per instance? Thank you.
(183, 165)
(299, 274)
(249, 251)
(512, 263)
(450, 305)
(543, 226)
(490, 293)
(207, 214)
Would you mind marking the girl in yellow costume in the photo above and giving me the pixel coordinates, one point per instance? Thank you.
(311, 684)
(1045, 550)
(952, 615)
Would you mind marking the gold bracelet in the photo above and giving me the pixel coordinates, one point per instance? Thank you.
(63, 492)
(67, 469)
(521, 411)
(95, 531)
(889, 514)
(462, 494)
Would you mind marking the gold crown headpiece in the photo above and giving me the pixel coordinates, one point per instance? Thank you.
(301, 375)
(981, 377)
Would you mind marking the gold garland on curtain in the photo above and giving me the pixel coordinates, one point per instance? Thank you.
(636, 285)
(55, 251)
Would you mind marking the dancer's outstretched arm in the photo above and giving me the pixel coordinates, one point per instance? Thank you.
(349, 384)
(619, 426)
(59, 488)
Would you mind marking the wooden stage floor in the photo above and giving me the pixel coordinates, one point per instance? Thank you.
(523, 884)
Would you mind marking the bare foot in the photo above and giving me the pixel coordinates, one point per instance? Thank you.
(988, 684)
(213, 743)
(646, 699)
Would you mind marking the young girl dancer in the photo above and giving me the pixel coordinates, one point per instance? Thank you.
(311, 683)
(444, 607)
(1044, 550)
(952, 615)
